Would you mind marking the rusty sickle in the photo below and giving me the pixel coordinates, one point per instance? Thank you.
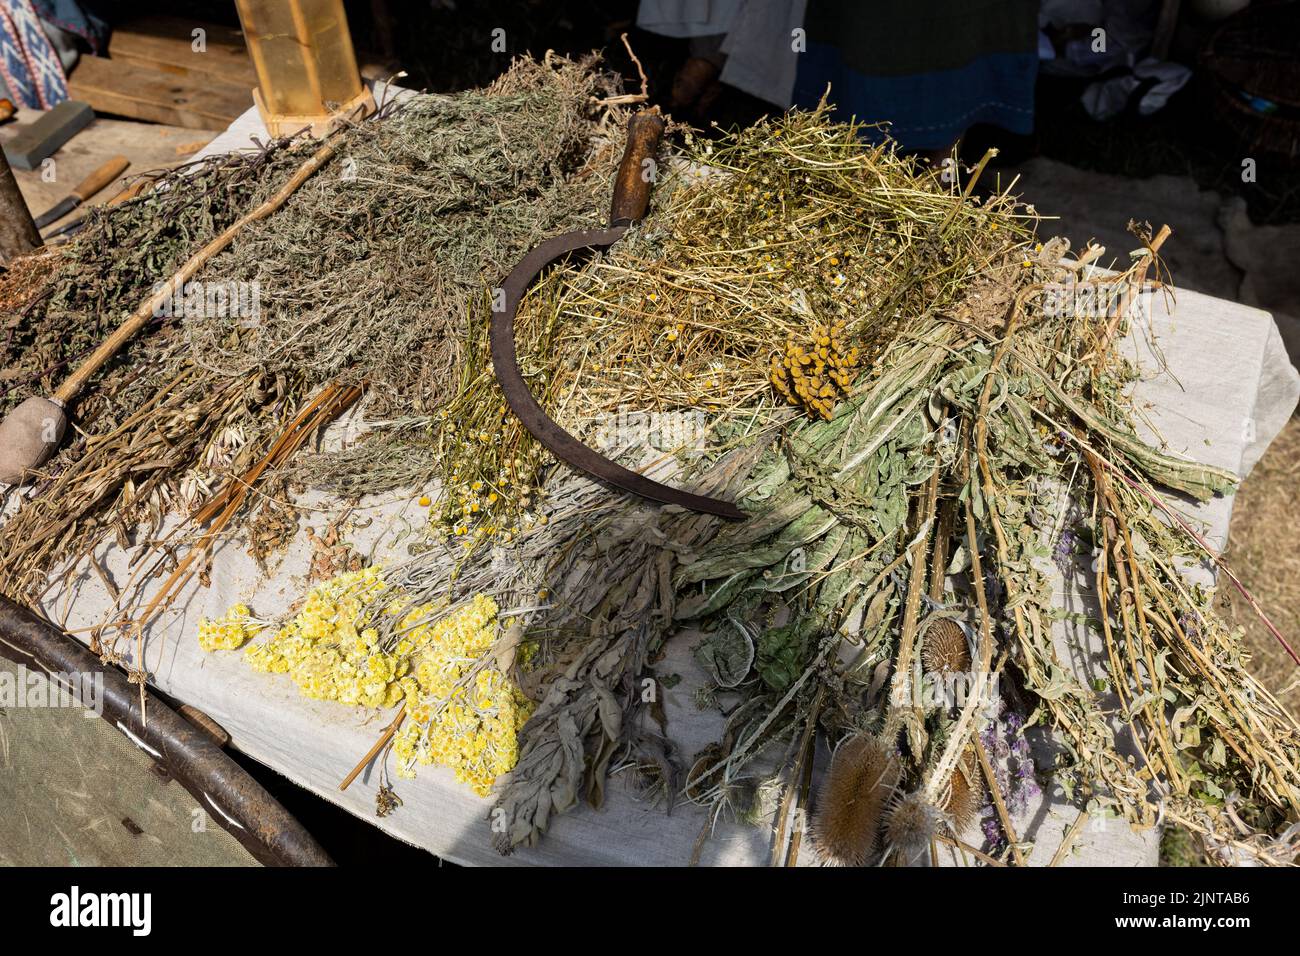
(631, 199)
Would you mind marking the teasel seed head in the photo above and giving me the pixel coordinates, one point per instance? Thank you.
(909, 826)
(852, 800)
(698, 779)
(964, 796)
(944, 649)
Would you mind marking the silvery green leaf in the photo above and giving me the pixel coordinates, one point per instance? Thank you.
(727, 654)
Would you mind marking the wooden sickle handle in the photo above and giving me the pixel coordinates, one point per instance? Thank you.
(635, 174)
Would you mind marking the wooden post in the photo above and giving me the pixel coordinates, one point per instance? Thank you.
(18, 234)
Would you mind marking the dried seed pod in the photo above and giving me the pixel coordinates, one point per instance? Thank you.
(944, 650)
(964, 795)
(862, 777)
(698, 780)
(909, 826)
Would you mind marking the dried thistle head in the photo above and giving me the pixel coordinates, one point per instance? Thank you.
(862, 777)
(944, 649)
(910, 824)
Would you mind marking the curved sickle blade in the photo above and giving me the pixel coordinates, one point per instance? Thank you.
(547, 431)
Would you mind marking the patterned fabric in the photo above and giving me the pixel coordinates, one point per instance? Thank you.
(78, 19)
(28, 61)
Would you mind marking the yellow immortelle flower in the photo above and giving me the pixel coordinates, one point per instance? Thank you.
(467, 713)
(463, 712)
(229, 632)
(327, 620)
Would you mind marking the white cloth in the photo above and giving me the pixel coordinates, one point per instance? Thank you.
(688, 18)
(1106, 98)
(759, 43)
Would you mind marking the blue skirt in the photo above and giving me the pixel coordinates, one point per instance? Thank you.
(925, 110)
(930, 71)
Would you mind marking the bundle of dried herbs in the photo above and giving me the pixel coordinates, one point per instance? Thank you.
(148, 416)
(379, 271)
(63, 301)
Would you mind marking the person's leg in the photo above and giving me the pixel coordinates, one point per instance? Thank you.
(698, 76)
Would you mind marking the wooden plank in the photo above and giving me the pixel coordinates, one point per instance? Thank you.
(148, 146)
(113, 86)
(167, 43)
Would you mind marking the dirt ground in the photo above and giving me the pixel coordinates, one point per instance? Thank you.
(1262, 551)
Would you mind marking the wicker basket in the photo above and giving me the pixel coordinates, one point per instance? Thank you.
(1253, 64)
